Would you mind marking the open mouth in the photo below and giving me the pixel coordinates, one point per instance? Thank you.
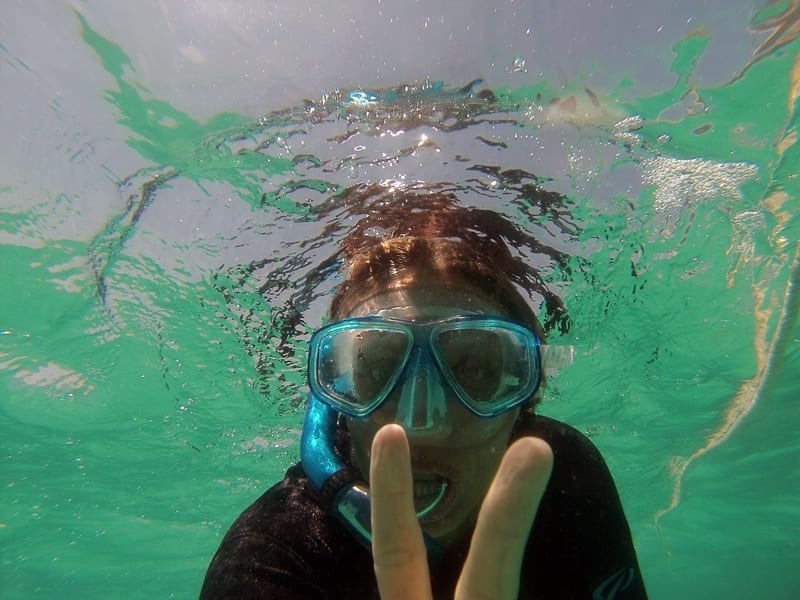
(430, 492)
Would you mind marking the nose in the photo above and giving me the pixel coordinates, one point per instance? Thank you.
(422, 408)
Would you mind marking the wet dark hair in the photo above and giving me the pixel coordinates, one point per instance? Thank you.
(416, 231)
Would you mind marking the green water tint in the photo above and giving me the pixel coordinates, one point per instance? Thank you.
(680, 314)
(751, 268)
(762, 252)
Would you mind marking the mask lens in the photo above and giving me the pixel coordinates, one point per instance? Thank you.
(491, 366)
(356, 366)
(473, 358)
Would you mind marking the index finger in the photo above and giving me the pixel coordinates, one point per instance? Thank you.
(492, 568)
(398, 550)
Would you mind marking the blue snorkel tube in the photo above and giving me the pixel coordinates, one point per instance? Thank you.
(350, 498)
(320, 462)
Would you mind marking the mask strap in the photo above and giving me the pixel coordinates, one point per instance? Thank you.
(556, 357)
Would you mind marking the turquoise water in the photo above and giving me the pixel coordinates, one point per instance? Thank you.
(155, 250)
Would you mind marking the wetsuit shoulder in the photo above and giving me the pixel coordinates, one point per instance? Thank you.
(288, 545)
(581, 544)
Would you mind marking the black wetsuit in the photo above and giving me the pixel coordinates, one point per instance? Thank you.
(289, 545)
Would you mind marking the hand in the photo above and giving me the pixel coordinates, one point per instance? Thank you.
(492, 568)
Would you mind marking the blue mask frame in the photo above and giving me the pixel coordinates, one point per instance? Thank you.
(422, 339)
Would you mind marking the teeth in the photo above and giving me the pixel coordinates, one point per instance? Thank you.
(426, 488)
(428, 494)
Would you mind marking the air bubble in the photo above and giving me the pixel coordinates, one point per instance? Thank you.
(519, 65)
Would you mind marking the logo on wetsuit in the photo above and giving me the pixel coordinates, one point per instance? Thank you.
(618, 582)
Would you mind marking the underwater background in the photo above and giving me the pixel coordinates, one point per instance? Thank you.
(168, 182)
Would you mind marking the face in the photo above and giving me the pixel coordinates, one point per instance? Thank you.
(455, 461)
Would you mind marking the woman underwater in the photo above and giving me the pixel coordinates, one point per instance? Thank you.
(424, 470)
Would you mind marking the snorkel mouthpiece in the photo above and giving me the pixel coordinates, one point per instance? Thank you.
(352, 505)
(350, 502)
